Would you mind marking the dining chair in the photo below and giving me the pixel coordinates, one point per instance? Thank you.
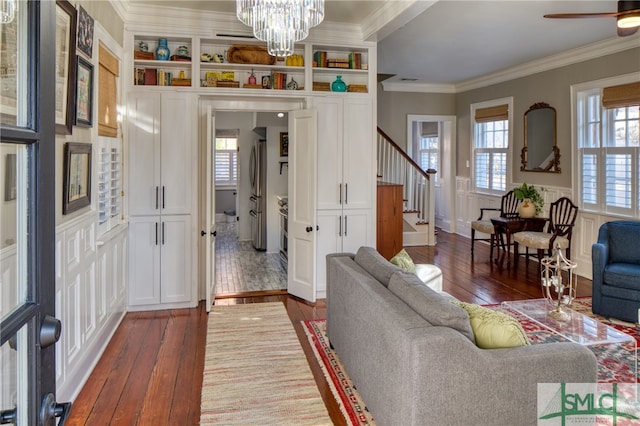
(508, 208)
(562, 218)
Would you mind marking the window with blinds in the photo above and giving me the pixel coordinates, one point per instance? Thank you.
(226, 160)
(491, 148)
(109, 184)
(608, 137)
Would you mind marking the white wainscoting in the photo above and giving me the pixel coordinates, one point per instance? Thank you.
(90, 297)
(585, 233)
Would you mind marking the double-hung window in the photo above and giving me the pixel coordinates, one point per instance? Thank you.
(490, 147)
(226, 157)
(608, 140)
(428, 151)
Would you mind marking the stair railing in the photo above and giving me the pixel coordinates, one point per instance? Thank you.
(395, 166)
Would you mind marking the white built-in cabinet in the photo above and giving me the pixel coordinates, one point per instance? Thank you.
(346, 178)
(160, 146)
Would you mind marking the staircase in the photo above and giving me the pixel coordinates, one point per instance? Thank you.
(395, 166)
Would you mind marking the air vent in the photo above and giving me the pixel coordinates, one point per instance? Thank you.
(236, 36)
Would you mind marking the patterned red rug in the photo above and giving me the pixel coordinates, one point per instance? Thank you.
(613, 361)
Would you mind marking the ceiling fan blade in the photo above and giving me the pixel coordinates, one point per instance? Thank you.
(581, 15)
(622, 32)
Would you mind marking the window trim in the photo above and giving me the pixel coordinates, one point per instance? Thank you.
(577, 92)
(509, 160)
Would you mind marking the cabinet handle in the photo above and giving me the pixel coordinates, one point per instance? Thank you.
(163, 196)
(340, 193)
(162, 233)
(156, 233)
(156, 198)
(340, 226)
(345, 225)
(346, 193)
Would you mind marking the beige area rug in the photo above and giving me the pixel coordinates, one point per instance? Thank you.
(255, 371)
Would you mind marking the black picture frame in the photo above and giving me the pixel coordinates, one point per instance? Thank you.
(65, 74)
(84, 93)
(85, 32)
(284, 144)
(266, 82)
(76, 191)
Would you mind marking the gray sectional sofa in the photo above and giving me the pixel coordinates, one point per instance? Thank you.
(414, 371)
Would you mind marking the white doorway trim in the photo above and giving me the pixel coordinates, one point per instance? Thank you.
(446, 188)
(230, 103)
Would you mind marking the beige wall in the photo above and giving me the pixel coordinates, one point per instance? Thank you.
(552, 87)
(393, 108)
(105, 13)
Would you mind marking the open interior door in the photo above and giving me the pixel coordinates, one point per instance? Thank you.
(303, 131)
(210, 211)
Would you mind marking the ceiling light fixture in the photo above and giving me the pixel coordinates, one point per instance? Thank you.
(628, 14)
(8, 11)
(280, 22)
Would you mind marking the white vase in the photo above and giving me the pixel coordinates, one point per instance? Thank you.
(527, 208)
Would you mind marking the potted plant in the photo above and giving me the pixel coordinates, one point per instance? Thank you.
(530, 196)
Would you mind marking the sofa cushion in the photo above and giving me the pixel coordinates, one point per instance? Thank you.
(623, 275)
(493, 329)
(373, 262)
(430, 305)
(623, 240)
(403, 260)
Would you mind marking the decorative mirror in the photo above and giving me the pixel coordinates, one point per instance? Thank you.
(540, 152)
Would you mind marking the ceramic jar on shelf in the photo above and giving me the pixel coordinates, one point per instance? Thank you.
(338, 85)
(162, 51)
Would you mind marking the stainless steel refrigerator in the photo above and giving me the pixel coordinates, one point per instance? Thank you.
(258, 178)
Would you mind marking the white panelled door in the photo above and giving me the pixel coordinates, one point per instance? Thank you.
(303, 131)
(210, 215)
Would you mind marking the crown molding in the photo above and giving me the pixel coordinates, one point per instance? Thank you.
(391, 16)
(394, 84)
(580, 54)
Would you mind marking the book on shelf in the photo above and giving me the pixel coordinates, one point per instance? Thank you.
(152, 77)
(355, 60)
(338, 63)
(278, 80)
(320, 58)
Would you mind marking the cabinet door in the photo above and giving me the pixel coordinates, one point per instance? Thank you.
(143, 124)
(329, 241)
(329, 153)
(175, 257)
(144, 268)
(356, 229)
(359, 147)
(176, 168)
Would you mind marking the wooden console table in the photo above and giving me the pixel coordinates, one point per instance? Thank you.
(511, 225)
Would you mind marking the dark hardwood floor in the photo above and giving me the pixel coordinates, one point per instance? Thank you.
(151, 371)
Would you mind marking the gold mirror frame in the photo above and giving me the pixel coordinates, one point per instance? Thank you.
(540, 145)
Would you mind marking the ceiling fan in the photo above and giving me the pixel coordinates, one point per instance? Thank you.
(627, 16)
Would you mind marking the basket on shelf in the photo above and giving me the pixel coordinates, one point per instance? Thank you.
(239, 54)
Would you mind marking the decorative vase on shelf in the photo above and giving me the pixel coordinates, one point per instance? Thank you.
(527, 209)
(162, 51)
(338, 85)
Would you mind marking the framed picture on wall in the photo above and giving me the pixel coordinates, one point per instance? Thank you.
(76, 191)
(84, 93)
(65, 74)
(85, 32)
(284, 144)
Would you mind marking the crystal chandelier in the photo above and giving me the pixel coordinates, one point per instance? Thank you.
(280, 22)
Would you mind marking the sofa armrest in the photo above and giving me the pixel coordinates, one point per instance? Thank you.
(498, 386)
(599, 259)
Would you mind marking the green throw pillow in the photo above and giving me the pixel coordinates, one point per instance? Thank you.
(492, 329)
(402, 260)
